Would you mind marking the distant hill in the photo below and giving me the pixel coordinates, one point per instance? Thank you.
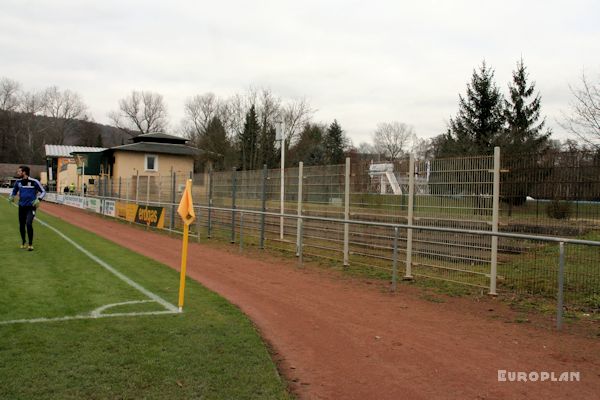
(23, 136)
(85, 133)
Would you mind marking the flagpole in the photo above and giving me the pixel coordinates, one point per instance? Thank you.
(186, 228)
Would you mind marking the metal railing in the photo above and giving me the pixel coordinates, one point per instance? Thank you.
(244, 221)
(469, 194)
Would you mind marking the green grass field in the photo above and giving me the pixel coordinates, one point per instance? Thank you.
(211, 351)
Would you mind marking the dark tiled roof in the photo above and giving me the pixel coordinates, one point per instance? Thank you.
(162, 148)
(159, 137)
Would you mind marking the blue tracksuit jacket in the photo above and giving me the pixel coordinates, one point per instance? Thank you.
(28, 190)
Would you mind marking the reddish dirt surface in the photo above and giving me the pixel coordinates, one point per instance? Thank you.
(335, 337)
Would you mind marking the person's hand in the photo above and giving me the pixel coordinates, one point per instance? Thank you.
(11, 199)
(35, 203)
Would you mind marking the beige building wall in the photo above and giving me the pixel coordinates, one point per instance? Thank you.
(128, 164)
(66, 174)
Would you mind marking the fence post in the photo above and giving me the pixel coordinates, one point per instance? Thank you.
(410, 217)
(300, 246)
(233, 192)
(395, 261)
(561, 283)
(198, 224)
(210, 202)
(172, 222)
(282, 189)
(264, 206)
(495, 218)
(137, 185)
(159, 188)
(148, 190)
(120, 188)
(241, 231)
(347, 213)
(300, 179)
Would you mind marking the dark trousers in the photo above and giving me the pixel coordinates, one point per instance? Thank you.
(26, 216)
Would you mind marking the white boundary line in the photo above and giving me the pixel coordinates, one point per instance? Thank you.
(131, 314)
(109, 268)
(97, 313)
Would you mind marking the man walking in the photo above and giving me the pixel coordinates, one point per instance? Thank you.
(28, 189)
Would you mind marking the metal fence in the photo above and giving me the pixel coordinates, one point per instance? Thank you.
(452, 200)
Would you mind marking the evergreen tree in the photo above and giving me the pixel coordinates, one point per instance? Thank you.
(477, 127)
(334, 143)
(248, 141)
(309, 148)
(524, 132)
(216, 144)
(268, 153)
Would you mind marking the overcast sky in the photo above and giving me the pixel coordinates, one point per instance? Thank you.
(361, 62)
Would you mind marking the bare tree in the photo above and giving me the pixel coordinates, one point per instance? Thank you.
(584, 118)
(199, 111)
(9, 101)
(366, 148)
(31, 106)
(392, 138)
(296, 114)
(9, 94)
(268, 107)
(64, 107)
(32, 103)
(424, 149)
(238, 106)
(141, 112)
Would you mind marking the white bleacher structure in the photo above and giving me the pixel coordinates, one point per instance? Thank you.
(385, 180)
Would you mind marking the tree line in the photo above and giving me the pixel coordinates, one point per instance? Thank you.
(486, 118)
(235, 132)
(240, 131)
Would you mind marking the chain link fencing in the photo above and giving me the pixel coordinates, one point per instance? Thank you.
(466, 195)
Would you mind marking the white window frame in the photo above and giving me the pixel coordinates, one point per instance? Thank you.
(155, 162)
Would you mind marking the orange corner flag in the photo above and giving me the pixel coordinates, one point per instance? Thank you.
(186, 205)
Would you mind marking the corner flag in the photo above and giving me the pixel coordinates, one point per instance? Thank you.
(186, 211)
(186, 205)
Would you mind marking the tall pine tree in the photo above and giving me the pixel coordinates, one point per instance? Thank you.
(477, 127)
(334, 143)
(216, 144)
(524, 132)
(267, 153)
(248, 141)
(309, 148)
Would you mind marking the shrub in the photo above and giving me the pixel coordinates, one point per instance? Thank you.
(558, 209)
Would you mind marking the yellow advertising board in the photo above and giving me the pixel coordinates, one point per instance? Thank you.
(145, 215)
(151, 216)
(126, 211)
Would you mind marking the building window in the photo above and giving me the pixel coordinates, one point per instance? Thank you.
(151, 162)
